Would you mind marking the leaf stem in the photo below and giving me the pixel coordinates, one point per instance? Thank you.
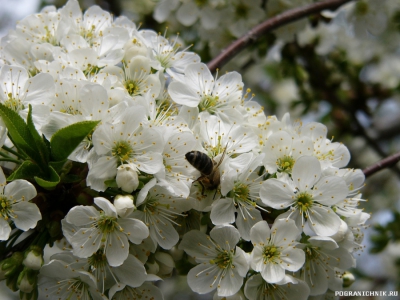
(8, 149)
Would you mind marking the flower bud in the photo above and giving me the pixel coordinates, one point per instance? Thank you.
(348, 279)
(127, 178)
(152, 268)
(124, 205)
(27, 280)
(33, 258)
(11, 265)
(29, 296)
(165, 263)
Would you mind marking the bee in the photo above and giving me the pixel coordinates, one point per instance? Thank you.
(210, 176)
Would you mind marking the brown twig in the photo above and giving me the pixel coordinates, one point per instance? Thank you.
(384, 163)
(268, 25)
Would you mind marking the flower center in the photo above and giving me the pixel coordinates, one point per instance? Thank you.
(91, 70)
(49, 37)
(304, 201)
(285, 163)
(122, 151)
(133, 87)
(107, 224)
(13, 103)
(241, 191)
(328, 155)
(71, 111)
(223, 260)
(5, 208)
(98, 261)
(270, 253)
(89, 34)
(208, 103)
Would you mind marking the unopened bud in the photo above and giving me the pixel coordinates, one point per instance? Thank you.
(29, 296)
(127, 178)
(152, 268)
(124, 205)
(348, 279)
(11, 265)
(33, 258)
(27, 280)
(165, 263)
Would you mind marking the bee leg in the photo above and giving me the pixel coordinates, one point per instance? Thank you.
(216, 190)
(202, 188)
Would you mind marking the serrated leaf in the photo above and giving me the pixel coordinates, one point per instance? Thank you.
(65, 140)
(48, 182)
(27, 170)
(43, 150)
(19, 133)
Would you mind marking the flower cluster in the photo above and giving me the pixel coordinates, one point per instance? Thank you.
(178, 159)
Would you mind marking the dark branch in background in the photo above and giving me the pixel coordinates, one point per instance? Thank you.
(384, 163)
(112, 6)
(282, 19)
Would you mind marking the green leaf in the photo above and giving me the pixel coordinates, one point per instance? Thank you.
(50, 182)
(19, 133)
(65, 140)
(43, 150)
(111, 183)
(58, 165)
(27, 170)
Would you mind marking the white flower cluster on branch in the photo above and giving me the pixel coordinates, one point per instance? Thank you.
(181, 160)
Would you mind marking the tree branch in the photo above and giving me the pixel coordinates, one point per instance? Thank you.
(288, 16)
(384, 163)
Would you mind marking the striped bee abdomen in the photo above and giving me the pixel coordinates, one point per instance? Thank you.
(200, 161)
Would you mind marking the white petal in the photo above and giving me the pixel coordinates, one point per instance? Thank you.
(286, 232)
(292, 259)
(183, 94)
(225, 236)
(165, 234)
(223, 211)
(131, 266)
(136, 230)
(323, 220)
(5, 230)
(82, 215)
(28, 214)
(117, 248)
(20, 190)
(196, 244)
(330, 190)
(86, 242)
(230, 283)
(260, 233)
(245, 224)
(272, 272)
(106, 206)
(201, 278)
(306, 172)
(276, 194)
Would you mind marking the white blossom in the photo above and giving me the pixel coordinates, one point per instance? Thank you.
(104, 230)
(222, 265)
